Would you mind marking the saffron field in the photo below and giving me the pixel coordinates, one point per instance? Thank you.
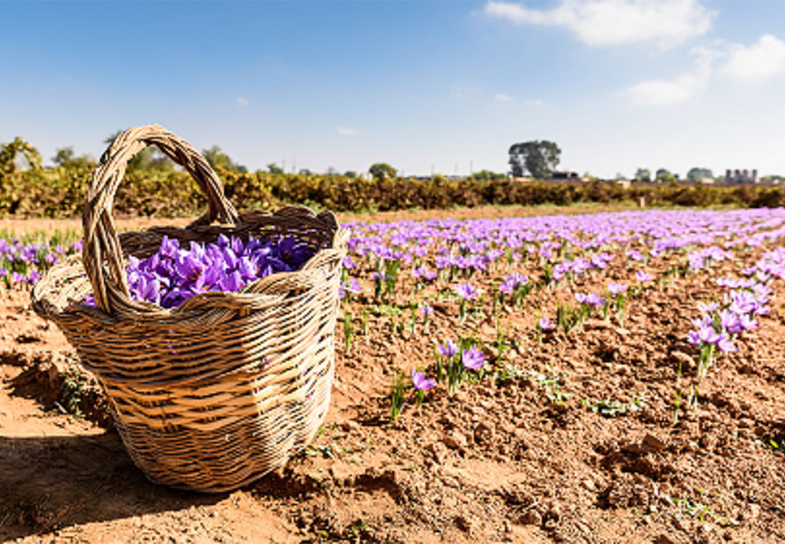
(583, 378)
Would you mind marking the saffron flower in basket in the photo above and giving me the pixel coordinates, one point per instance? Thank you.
(173, 274)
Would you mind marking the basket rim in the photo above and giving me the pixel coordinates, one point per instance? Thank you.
(256, 295)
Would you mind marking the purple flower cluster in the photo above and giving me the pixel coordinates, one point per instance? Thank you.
(23, 262)
(589, 242)
(592, 299)
(643, 276)
(423, 274)
(350, 287)
(512, 282)
(581, 265)
(173, 274)
(634, 255)
(721, 323)
(705, 334)
(705, 257)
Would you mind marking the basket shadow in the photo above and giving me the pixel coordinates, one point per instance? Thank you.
(52, 482)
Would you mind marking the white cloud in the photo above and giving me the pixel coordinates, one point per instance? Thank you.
(752, 64)
(501, 97)
(664, 92)
(242, 101)
(615, 22)
(346, 131)
(667, 92)
(536, 102)
(757, 62)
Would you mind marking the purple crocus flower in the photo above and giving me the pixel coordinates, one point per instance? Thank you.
(380, 276)
(294, 252)
(422, 273)
(747, 323)
(595, 299)
(420, 382)
(708, 307)
(448, 349)
(704, 321)
(545, 324)
(730, 322)
(728, 282)
(169, 247)
(149, 288)
(725, 344)
(745, 302)
(426, 310)
(616, 288)
(518, 279)
(473, 358)
(704, 335)
(352, 286)
(232, 282)
(643, 277)
(559, 271)
(466, 291)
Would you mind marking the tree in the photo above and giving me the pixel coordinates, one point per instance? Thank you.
(17, 155)
(221, 161)
(382, 170)
(643, 174)
(540, 158)
(66, 158)
(698, 174)
(274, 168)
(487, 175)
(350, 174)
(589, 177)
(665, 175)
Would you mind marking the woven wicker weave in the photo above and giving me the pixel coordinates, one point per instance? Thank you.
(226, 387)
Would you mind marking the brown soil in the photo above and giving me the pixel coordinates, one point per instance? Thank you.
(523, 459)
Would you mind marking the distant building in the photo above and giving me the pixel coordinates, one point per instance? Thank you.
(741, 176)
(572, 176)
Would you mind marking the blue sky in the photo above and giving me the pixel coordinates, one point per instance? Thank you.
(444, 86)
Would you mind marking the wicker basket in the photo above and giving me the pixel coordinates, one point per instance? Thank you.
(217, 392)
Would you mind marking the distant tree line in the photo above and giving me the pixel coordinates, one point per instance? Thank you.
(155, 187)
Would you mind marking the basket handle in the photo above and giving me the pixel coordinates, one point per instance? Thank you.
(101, 243)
